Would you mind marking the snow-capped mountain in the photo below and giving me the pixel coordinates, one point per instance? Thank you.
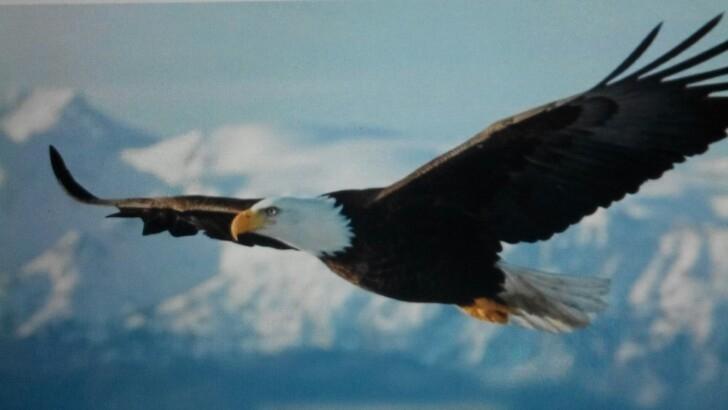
(65, 270)
(38, 218)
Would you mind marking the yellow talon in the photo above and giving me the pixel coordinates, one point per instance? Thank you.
(488, 310)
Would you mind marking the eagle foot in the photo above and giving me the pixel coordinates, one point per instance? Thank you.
(487, 310)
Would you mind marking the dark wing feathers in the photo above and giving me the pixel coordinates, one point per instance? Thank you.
(706, 75)
(672, 53)
(534, 174)
(179, 215)
(63, 175)
(633, 56)
(690, 63)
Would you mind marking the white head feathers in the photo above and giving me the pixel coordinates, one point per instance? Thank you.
(315, 225)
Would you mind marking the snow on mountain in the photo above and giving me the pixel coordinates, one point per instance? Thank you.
(276, 301)
(35, 214)
(37, 113)
(57, 264)
(176, 161)
(270, 161)
(670, 293)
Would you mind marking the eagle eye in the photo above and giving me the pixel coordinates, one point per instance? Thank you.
(272, 211)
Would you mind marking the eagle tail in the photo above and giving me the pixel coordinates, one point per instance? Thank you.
(551, 302)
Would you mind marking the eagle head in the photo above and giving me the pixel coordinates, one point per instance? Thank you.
(316, 225)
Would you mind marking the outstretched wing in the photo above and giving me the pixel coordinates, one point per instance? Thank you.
(534, 174)
(179, 215)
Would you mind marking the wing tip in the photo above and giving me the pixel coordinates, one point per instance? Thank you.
(66, 180)
(633, 56)
(647, 41)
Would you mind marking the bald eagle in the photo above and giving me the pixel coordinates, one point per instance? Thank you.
(434, 236)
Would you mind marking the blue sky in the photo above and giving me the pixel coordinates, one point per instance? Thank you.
(434, 70)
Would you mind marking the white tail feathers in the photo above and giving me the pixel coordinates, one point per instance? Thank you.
(555, 303)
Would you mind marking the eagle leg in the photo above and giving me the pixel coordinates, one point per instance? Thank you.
(487, 310)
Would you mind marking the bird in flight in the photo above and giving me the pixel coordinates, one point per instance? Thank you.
(434, 236)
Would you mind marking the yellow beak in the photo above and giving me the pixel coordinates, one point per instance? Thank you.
(246, 221)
